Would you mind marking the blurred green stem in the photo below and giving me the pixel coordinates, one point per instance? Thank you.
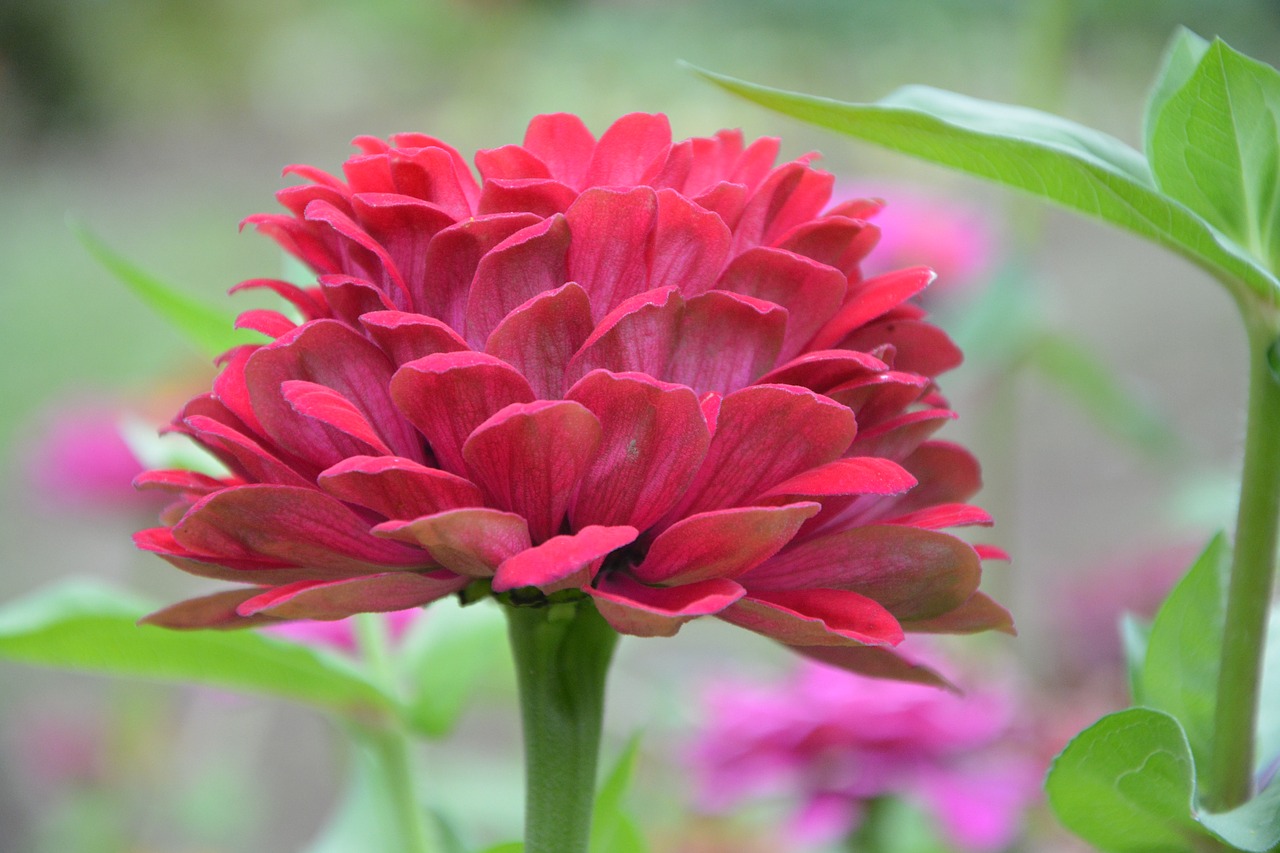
(1249, 593)
(562, 654)
(391, 746)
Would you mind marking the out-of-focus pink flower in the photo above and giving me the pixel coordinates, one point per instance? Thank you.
(341, 634)
(836, 742)
(644, 372)
(80, 460)
(958, 240)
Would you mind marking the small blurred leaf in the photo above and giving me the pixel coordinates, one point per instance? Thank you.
(1053, 159)
(1254, 826)
(1180, 673)
(362, 819)
(612, 829)
(451, 653)
(1215, 147)
(209, 328)
(1135, 635)
(1180, 60)
(85, 626)
(1126, 783)
(505, 847)
(1268, 734)
(1095, 388)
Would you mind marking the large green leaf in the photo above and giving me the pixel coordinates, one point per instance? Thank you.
(1126, 785)
(84, 626)
(1215, 147)
(1051, 158)
(209, 328)
(1180, 672)
(1180, 60)
(1254, 826)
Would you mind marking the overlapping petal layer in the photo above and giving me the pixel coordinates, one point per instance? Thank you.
(647, 371)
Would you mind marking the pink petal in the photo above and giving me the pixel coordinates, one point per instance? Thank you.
(865, 475)
(629, 150)
(689, 245)
(564, 144)
(562, 562)
(296, 238)
(349, 297)
(638, 335)
(871, 299)
(332, 409)
(404, 226)
(526, 264)
(359, 252)
(301, 527)
(510, 162)
(218, 610)
(398, 488)
(308, 306)
(810, 292)
(720, 544)
(528, 459)
(539, 337)
(608, 254)
(242, 454)
(725, 342)
(916, 574)
(653, 440)
(793, 193)
(539, 197)
(178, 482)
(447, 395)
(468, 541)
(833, 240)
(328, 600)
(942, 516)
(815, 617)
(273, 324)
(452, 257)
(407, 337)
(920, 347)
(654, 611)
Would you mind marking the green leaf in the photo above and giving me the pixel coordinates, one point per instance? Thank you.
(1180, 60)
(1268, 733)
(1126, 784)
(1254, 826)
(1135, 636)
(452, 652)
(209, 328)
(85, 626)
(1215, 147)
(363, 818)
(506, 847)
(1051, 158)
(1180, 673)
(612, 829)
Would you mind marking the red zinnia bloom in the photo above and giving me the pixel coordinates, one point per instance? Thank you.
(645, 372)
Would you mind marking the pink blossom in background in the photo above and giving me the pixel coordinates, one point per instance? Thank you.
(79, 459)
(958, 240)
(341, 634)
(837, 741)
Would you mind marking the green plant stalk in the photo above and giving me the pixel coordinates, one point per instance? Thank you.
(562, 654)
(1249, 593)
(390, 745)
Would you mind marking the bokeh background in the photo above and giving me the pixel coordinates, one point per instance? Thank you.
(159, 125)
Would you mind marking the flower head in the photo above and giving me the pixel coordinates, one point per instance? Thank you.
(840, 742)
(644, 372)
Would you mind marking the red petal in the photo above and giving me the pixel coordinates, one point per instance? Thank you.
(653, 440)
(308, 306)
(823, 370)
(564, 144)
(273, 324)
(639, 335)
(793, 193)
(725, 342)
(349, 297)
(452, 257)
(381, 593)
(526, 264)
(943, 516)
(178, 482)
(836, 241)
(562, 562)
(447, 395)
(398, 488)
(654, 611)
(332, 409)
(979, 613)
(810, 291)
(528, 459)
(510, 162)
(815, 617)
(720, 544)
(608, 253)
(920, 347)
(865, 475)
(539, 337)
(408, 337)
(469, 541)
(871, 299)
(897, 438)
(359, 253)
(689, 245)
(629, 150)
(539, 197)
(241, 453)
(404, 226)
(875, 662)
(218, 610)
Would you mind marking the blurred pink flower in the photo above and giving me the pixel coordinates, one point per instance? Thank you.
(838, 741)
(79, 459)
(958, 240)
(340, 634)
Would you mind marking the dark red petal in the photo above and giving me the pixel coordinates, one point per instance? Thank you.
(810, 291)
(836, 241)
(564, 144)
(725, 342)
(793, 193)
(897, 438)
(825, 369)
(947, 472)
(380, 593)
(526, 264)
(765, 435)
(349, 297)
(916, 574)
(218, 610)
(871, 299)
(815, 617)
(608, 252)
(539, 337)
(332, 409)
(875, 662)
(398, 488)
(562, 562)
(358, 252)
(653, 440)
(919, 347)
(242, 454)
(469, 541)
(979, 613)
(404, 226)
(302, 527)
(539, 197)
(723, 543)
(452, 257)
(407, 337)
(655, 611)
(447, 395)
(529, 457)
(639, 335)
(629, 150)
(178, 482)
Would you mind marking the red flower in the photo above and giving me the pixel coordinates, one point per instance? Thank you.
(645, 372)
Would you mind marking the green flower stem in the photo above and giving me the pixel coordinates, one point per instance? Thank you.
(390, 745)
(562, 654)
(1230, 772)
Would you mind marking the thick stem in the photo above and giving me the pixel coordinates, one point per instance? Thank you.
(1249, 593)
(562, 655)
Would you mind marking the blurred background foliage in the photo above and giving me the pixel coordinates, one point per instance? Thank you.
(160, 124)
